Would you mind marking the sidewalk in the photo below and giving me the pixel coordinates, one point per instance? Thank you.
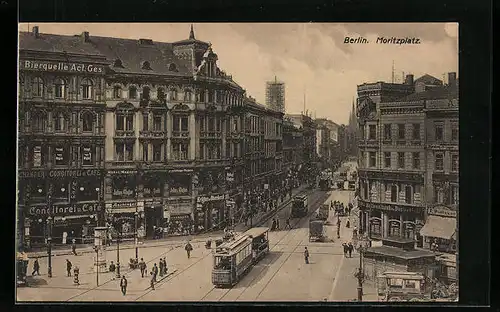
(172, 240)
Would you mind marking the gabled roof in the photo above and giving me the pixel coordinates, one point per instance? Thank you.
(429, 80)
(55, 43)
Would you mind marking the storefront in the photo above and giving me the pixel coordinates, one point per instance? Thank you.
(440, 229)
(152, 193)
(211, 212)
(178, 220)
(121, 217)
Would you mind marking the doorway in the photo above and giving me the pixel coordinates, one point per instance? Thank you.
(154, 219)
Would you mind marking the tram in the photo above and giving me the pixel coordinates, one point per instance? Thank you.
(233, 259)
(299, 206)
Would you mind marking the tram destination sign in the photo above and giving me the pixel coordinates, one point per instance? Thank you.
(71, 173)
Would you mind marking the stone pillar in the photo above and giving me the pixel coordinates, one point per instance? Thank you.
(169, 134)
(223, 128)
(385, 225)
(192, 136)
(401, 225)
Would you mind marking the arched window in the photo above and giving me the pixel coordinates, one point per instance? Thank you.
(59, 88)
(37, 87)
(394, 193)
(173, 94)
(39, 121)
(160, 94)
(408, 194)
(117, 92)
(86, 89)
(187, 95)
(132, 92)
(88, 121)
(59, 121)
(145, 93)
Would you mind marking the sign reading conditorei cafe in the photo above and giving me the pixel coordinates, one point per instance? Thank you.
(61, 67)
(66, 210)
(70, 173)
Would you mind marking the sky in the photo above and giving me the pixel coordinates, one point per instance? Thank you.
(311, 58)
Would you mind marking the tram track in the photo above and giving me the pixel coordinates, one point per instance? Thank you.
(296, 225)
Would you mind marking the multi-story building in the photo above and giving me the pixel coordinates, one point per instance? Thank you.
(293, 151)
(61, 137)
(307, 127)
(275, 95)
(327, 146)
(398, 153)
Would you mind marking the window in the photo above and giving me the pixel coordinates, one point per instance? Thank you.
(236, 150)
(129, 122)
(180, 151)
(211, 124)
(38, 156)
(438, 132)
(373, 160)
(124, 151)
(88, 122)
(416, 160)
(129, 151)
(145, 93)
(372, 132)
(180, 123)
(454, 162)
(87, 155)
(132, 92)
(61, 155)
(117, 92)
(202, 151)
(408, 194)
(157, 123)
(439, 161)
(86, 89)
(218, 124)
(59, 121)
(120, 122)
(145, 152)
(211, 96)
(416, 131)
(235, 125)
(202, 124)
(454, 132)
(438, 195)
(362, 159)
(401, 131)
(454, 194)
(38, 87)
(173, 94)
(387, 159)
(146, 65)
(59, 88)
(187, 95)
(157, 151)
(201, 96)
(119, 152)
(401, 159)
(160, 94)
(145, 121)
(394, 193)
(387, 132)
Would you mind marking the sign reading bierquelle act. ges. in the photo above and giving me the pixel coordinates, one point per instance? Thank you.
(62, 67)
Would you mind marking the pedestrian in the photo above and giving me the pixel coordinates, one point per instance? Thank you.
(153, 280)
(155, 271)
(123, 285)
(273, 225)
(165, 268)
(306, 255)
(355, 231)
(277, 224)
(142, 267)
(76, 273)
(188, 249)
(348, 223)
(338, 222)
(160, 263)
(344, 246)
(69, 265)
(287, 225)
(350, 248)
(36, 267)
(73, 246)
(112, 267)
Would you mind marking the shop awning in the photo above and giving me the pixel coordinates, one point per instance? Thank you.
(439, 227)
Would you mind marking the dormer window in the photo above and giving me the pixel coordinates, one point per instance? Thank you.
(118, 63)
(172, 67)
(146, 65)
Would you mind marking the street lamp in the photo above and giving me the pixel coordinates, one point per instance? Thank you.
(49, 246)
(136, 216)
(118, 232)
(362, 244)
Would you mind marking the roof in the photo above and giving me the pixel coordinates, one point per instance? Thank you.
(436, 226)
(400, 253)
(55, 43)
(436, 93)
(257, 231)
(402, 274)
(429, 80)
(233, 245)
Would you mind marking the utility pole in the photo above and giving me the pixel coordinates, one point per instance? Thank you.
(392, 71)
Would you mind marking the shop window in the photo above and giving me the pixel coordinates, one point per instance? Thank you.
(132, 93)
(373, 160)
(61, 190)
(87, 155)
(416, 131)
(376, 228)
(372, 132)
(37, 87)
(157, 123)
(59, 121)
(160, 94)
(187, 95)
(438, 195)
(180, 151)
(61, 155)
(387, 132)
(454, 132)
(454, 162)
(59, 88)
(86, 89)
(416, 160)
(439, 161)
(145, 93)
(394, 229)
(39, 190)
(401, 131)
(394, 193)
(87, 189)
(408, 194)
(157, 151)
(117, 92)
(387, 159)
(438, 132)
(88, 121)
(401, 159)
(123, 187)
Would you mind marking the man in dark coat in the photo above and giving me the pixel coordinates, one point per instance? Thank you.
(160, 263)
(142, 267)
(277, 224)
(153, 280)
(69, 265)
(73, 247)
(350, 248)
(306, 255)
(36, 267)
(188, 249)
(344, 246)
(123, 285)
(155, 271)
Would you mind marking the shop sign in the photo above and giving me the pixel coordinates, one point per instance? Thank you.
(229, 176)
(151, 191)
(62, 67)
(37, 156)
(442, 211)
(123, 205)
(123, 171)
(204, 199)
(180, 190)
(124, 192)
(180, 170)
(155, 202)
(60, 173)
(65, 210)
(388, 207)
(179, 209)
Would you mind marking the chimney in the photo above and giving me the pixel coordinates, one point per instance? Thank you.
(85, 36)
(452, 79)
(409, 79)
(35, 31)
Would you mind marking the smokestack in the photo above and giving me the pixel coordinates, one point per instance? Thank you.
(409, 79)
(35, 31)
(85, 36)
(452, 79)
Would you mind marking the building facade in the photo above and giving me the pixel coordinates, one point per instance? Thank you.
(275, 95)
(61, 128)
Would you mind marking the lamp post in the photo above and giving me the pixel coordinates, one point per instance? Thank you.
(363, 244)
(96, 249)
(136, 240)
(100, 216)
(49, 245)
(118, 232)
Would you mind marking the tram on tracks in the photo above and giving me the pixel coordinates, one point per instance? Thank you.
(299, 206)
(233, 259)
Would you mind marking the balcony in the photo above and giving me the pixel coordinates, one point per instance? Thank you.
(124, 133)
(152, 134)
(210, 135)
(180, 134)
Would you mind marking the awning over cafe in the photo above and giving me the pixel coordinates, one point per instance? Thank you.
(440, 227)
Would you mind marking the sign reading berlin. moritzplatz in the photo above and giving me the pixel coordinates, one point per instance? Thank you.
(62, 67)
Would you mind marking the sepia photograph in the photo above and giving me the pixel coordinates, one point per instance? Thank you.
(237, 162)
